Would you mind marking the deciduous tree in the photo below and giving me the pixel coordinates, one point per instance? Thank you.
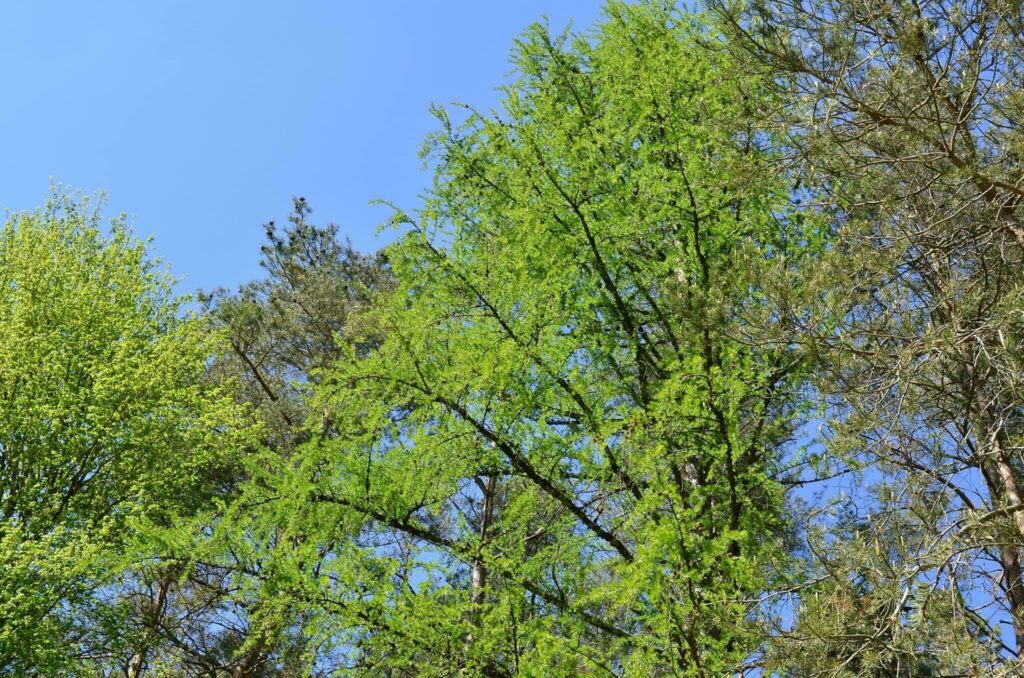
(108, 424)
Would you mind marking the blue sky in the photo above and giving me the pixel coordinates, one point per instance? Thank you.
(201, 119)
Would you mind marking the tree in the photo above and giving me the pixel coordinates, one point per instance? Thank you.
(560, 460)
(280, 332)
(701, 356)
(287, 327)
(902, 121)
(107, 424)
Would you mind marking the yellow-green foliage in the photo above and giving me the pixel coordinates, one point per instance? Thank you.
(106, 418)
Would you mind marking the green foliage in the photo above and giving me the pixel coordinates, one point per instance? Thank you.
(700, 357)
(286, 327)
(106, 421)
(900, 120)
(559, 461)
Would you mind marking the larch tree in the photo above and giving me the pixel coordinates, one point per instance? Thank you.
(700, 356)
(562, 458)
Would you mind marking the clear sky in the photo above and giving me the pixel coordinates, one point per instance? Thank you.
(202, 119)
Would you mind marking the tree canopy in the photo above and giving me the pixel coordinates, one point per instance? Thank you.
(107, 424)
(699, 357)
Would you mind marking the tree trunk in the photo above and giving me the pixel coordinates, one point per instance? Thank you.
(152, 615)
(1004, 488)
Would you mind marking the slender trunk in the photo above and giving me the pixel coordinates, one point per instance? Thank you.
(152, 615)
(479, 575)
(478, 570)
(1004, 488)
